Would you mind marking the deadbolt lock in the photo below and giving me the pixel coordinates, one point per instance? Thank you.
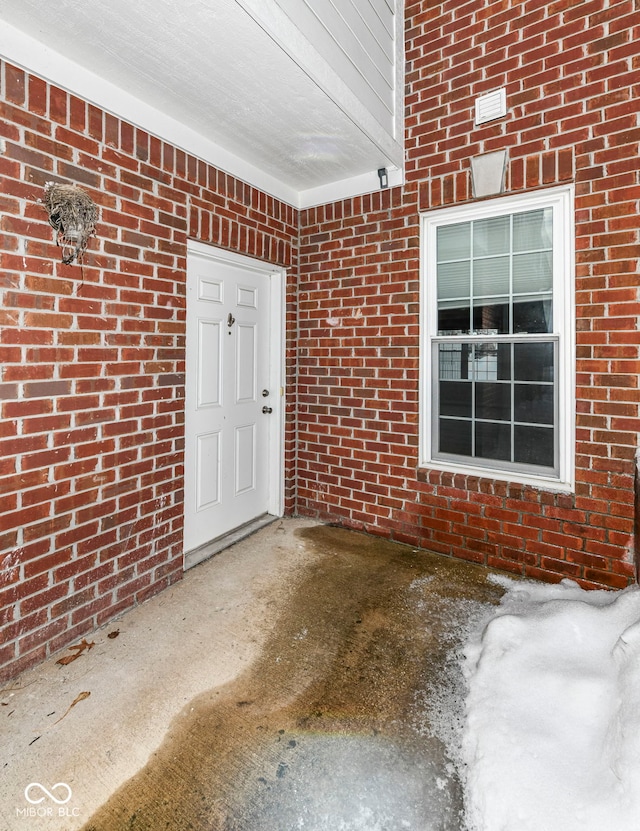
(265, 393)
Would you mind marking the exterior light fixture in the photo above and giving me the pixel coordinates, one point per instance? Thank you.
(73, 215)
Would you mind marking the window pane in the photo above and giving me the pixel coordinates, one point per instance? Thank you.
(453, 241)
(491, 276)
(533, 403)
(493, 441)
(533, 230)
(491, 317)
(533, 316)
(534, 446)
(455, 398)
(533, 362)
(455, 437)
(532, 273)
(485, 362)
(504, 362)
(493, 401)
(453, 361)
(492, 236)
(454, 321)
(454, 280)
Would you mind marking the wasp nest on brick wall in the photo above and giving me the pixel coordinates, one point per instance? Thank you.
(73, 215)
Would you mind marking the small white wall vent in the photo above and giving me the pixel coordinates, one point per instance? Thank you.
(492, 105)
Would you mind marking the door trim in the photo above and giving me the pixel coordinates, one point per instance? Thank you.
(277, 340)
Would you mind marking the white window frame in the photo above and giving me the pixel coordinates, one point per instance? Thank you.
(561, 199)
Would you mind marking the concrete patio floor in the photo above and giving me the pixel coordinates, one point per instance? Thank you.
(291, 682)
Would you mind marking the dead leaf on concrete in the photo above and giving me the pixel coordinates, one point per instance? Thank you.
(78, 698)
(79, 648)
(113, 634)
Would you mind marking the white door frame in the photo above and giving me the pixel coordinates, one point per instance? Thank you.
(277, 339)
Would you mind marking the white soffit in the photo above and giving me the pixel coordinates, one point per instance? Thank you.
(214, 78)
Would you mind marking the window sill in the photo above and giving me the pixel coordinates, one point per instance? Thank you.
(542, 483)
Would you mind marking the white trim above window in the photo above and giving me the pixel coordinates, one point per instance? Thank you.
(497, 342)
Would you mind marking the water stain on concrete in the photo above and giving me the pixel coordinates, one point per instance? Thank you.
(328, 730)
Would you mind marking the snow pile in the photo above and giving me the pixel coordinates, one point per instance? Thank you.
(552, 734)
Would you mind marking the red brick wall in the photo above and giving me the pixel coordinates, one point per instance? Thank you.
(571, 71)
(92, 361)
(92, 358)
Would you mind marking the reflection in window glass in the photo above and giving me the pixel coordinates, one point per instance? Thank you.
(491, 317)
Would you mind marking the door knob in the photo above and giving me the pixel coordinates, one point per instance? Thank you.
(266, 409)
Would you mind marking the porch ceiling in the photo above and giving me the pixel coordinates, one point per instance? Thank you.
(209, 66)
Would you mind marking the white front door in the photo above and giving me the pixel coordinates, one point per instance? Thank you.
(232, 407)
